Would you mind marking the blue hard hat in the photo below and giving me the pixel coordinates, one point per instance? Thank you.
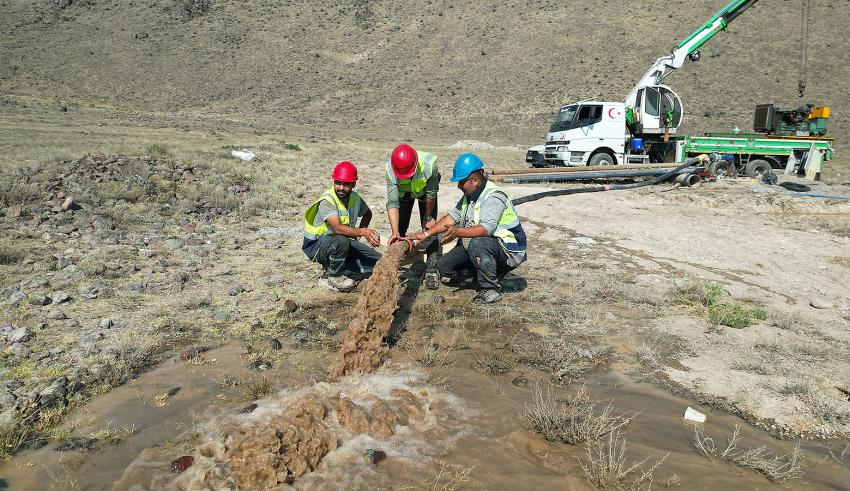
(465, 165)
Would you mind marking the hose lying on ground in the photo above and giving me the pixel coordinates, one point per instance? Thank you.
(702, 159)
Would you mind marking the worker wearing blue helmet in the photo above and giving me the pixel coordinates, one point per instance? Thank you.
(490, 239)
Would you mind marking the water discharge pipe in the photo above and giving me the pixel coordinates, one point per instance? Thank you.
(688, 180)
(701, 160)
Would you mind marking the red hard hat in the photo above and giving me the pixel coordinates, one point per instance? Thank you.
(345, 172)
(404, 161)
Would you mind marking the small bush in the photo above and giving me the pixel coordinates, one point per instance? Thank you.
(777, 468)
(157, 150)
(737, 316)
(495, 363)
(705, 294)
(292, 147)
(573, 422)
(606, 465)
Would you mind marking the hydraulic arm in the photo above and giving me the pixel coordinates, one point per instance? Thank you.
(689, 48)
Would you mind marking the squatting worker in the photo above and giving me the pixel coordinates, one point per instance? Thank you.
(413, 176)
(490, 238)
(330, 236)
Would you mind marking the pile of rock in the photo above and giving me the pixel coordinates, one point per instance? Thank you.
(82, 194)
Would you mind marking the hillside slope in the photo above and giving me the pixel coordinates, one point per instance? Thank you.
(465, 69)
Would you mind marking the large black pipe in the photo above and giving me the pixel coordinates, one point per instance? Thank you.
(702, 159)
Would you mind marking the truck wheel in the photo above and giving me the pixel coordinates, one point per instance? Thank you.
(722, 168)
(757, 167)
(602, 158)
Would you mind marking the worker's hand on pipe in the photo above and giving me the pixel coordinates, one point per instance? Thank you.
(417, 237)
(450, 234)
(429, 223)
(372, 237)
(394, 237)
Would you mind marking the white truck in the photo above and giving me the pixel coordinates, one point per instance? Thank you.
(635, 131)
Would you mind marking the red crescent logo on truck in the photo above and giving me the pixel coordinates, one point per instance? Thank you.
(613, 113)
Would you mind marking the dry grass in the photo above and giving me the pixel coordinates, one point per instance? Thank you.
(495, 362)
(449, 478)
(608, 466)
(256, 388)
(777, 468)
(429, 355)
(560, 357)
(574, 421)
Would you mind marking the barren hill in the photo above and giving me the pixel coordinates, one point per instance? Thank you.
(439, 68)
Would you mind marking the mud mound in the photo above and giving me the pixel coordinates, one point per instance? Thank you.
(292, 435)
(363, 350)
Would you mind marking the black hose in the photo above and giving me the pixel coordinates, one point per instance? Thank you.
(614, 187)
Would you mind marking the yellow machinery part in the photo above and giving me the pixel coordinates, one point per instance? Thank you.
(819, 112)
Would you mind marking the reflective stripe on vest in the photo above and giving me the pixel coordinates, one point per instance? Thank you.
(508, 229)
(313, 232)
(416, 184)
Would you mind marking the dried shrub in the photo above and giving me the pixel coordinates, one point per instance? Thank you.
(495, 363)
(573, 421)
(777, 468)
(607, 465)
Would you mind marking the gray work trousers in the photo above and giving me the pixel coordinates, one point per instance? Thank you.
(485, 256)
(339, 254)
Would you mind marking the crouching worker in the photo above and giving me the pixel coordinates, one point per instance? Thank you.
(330, 235)
(491, 241)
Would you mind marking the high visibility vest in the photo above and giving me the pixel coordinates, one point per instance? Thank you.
(416, 184)
(508, 228)
(347, 214)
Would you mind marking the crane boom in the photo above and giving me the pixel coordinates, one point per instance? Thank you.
(689, 47)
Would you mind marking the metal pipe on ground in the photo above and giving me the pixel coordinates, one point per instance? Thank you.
(689, 180)
(591, 168)
(583, 176)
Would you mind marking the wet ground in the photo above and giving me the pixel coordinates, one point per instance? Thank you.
(475, 432)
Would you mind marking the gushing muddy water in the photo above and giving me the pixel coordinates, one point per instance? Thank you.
(363, 349)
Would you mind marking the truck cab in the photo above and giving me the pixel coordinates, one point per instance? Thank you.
(587, 132)
(607, 133)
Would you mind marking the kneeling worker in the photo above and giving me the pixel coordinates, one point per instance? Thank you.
(330, 237)
(490, 238)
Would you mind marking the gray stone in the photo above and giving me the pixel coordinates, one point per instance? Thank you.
(235, 290)
(41, 326)
(60, 297)
(174, 243)
(821, 303)
(106, 323)
(57, 351)
(90, 338)
(71, 323)
(16, 298)
(57, 315)
(41, 356)
(19, 350)
(146, 253)
(68, 203)
(63, 261)
(7, 399)
(39, 300)
(19, 335)
(584, 352)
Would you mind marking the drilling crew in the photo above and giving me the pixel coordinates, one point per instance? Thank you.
(490, 239)
(330, 236)
(413, 176)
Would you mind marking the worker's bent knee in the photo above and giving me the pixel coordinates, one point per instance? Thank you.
(339, 244)
(480, 246)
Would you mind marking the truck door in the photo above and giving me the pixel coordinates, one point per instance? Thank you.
(660, 108)
(588, 116)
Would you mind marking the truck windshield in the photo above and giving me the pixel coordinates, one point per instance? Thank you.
(564, 119)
